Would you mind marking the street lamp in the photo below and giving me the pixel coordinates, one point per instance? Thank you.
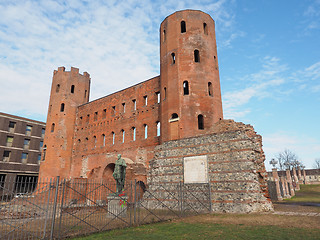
(273, 162)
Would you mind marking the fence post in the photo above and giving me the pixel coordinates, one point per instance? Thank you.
(61, 207)
(54, 207)
(135, 202)
(210, 198)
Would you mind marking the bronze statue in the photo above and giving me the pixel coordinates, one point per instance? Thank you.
(119, 173)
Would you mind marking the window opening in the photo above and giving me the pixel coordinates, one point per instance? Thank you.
(165, 93)
(58, 88)
(210, 89)
(95, 117)
(24, 158)
(103, 140)
(6, 156)
(39, 159)
(145, 100)
(174, 116)
(44, 152)
(158, 129)
(94, 141)
(123, 107)
(113, 110)
(26, 144)
(164, 35)
(123, 135)
(28, 130)
(134, 104)
(88, 118)
(9, 141)
(205, 28)
(183, 26)
(62, 107)
(145, 131)
(113, 137)
(41, 145)
(133, 133)
(196, 56)
(104, 113)
(158, 97)
(173, 56)
(12, 126)
(185, 88)
(72, 88)
(52, 127)
(85, 93)
(200, 122)
(43, 131)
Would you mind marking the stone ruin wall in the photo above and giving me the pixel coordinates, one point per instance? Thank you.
(236, 168)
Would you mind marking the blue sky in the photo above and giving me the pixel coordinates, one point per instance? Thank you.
(268, 51)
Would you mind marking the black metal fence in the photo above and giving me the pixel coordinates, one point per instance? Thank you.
(56, 209)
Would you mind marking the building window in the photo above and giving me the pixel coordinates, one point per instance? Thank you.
(9, 141)
(185, 88)
(196, 56)
(210, 89)
(145, 100)
(133, 133)
(183, 27)
(94, 141)
(123, 107)
(52, 127)
(165, 93)
(103, 140)
(24, 158)
(173, 58)
(113, 137)
(113, 110)
(158, 129)
(44, 152)
(158, 97)
(95, 116)
(174, 117)
(72, 88)
(41, 145)
(39, 159)
(123, 135)
(12, 126)
(43, 131)
(88, 118)
(200, 122)
(205, 29)
(6, 156)
(58, 88)
(85, 93)
(134, 104)
(26, 144)
(145, 131)
(164, 35)
(28, 130)
(104, 113)
(62, 107)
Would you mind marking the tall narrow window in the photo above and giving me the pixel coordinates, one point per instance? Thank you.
(9, 141)
(200, 122)
(58, 88)
(6, 156)
(95, 116)
(185, 88)
(145, 131)
(24, 158)
(62, 107)
(85, 93)
(52, 127)
(28, 130)
(123, 135)
(173, 56)
(41, 146)
(104, 113)
(158, 129)
(88, 118)
(94, 141)
(113, 110)
(196, 56)
(12, 126)
(72, 88)
(103, 140)
(158, 97)
(165, 93)
(133, 133)
(183, 26)
(145, 100)
(123, 107)
(164, 37)
(44, 152)
(134, 104)
(113, 137)
(26, 144)
(210, 89)
(43, 131)
(205, 29)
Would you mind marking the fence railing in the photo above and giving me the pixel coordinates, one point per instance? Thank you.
(59, 208)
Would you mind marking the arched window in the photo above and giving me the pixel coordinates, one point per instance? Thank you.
(210, 89)
(145, 131)
(133, 133)
(164, 35)
(72, 89)
(94, 141)
(165, 93)
(44, 152)
(173, 56)
(174, 117)
(185, 88)
(123, 135)
(52, 127)
(58, 88)
(103, 140)
(158, 129)
(196, 56)
(113, 137)
(200, 122)
(85, 93)
(205, 29)
(62, 107)
(183, 26)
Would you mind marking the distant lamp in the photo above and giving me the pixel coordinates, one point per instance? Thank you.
(273, 162)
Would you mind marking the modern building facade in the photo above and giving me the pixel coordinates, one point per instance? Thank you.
(21, 142)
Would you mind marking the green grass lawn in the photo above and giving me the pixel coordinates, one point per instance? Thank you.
(184, 230)
(307, 193)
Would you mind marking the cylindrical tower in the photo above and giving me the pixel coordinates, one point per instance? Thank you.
(68, 91)
(190, 85)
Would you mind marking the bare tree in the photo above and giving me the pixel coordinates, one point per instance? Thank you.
(287, 160)
(316, 164)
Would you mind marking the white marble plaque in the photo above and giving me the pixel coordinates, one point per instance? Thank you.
(195, 169)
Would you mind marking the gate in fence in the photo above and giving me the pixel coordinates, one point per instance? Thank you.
(56, 209)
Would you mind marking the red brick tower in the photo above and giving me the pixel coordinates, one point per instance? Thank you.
(190, 86)
(68, 91)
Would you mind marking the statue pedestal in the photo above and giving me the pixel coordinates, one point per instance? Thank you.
(117, 206)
